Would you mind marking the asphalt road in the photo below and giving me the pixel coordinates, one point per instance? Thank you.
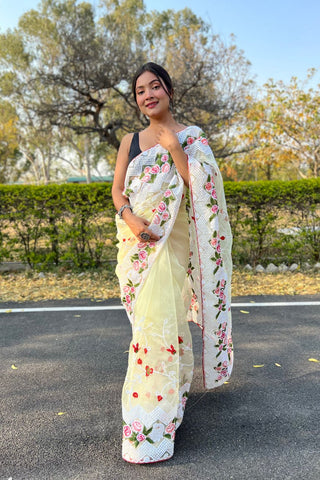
(263, 425)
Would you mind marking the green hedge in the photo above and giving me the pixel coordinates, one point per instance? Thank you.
(74, 224)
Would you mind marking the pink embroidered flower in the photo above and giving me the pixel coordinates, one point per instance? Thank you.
(152, 244)
(225, 363)
(221, 294)
(162, 207)
(144, 265)
(170, 428)
(132, 289)
(136, 265)
(184, 401)
(223, 282)
(229, 350)
(217, 291)
(164, 158)
(204, 141)
(190, 140)
(230, 341)
(127, 431)
(126, 289)
(224, 325)
(220, 307)
(214, 242)
(141, 245)
(137, 426)
(171, 391)
(165, 216)
(209, 186)
(165, 168)
(142, 255)
(146, 178)
(141, 437)
(147, 169)
(156, 219)
(214, 193)
(167, 193)
(214, 208)
(128, 299)
(218, 262)
(155, 169)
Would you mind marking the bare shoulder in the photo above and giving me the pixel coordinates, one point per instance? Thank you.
(126, 140)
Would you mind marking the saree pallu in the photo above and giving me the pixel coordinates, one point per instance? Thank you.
(186, 275)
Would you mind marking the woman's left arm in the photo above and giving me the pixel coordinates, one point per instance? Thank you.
(168, 139)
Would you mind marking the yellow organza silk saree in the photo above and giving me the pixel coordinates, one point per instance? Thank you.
(186, 275)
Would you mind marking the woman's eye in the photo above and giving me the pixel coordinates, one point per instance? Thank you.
(156, 87)
(140, 92)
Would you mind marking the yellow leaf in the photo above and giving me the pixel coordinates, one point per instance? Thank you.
(61, 413)
(278, 364)
(258, 366)
(244, 311)
(14, 367)
(313, 360)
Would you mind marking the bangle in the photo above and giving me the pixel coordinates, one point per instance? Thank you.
(123, 208)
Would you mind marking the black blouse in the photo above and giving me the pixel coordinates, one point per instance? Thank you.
(134, 147)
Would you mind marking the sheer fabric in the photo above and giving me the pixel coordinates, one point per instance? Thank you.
(186, 275)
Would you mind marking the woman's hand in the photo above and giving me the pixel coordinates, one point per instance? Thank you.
(168, 139)
(139, 225)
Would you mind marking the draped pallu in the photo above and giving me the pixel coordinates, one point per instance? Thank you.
(186, 275)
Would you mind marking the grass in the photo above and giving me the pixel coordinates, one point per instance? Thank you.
(103, 284)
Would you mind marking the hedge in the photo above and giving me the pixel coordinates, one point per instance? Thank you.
(74, 225)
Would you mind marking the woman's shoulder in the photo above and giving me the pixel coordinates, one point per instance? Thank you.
(192, 130)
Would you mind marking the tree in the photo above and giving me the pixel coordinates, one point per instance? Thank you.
(9, 144)
(283, 131)
(71, 66)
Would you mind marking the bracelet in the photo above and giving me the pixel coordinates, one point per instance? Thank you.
(123, 208)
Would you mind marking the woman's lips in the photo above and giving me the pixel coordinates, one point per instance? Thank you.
(152, 105)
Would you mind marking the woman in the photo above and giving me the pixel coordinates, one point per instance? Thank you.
(174, 265)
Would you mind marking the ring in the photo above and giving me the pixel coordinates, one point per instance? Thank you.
(145, 236)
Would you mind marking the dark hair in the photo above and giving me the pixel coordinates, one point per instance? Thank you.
(161, 74)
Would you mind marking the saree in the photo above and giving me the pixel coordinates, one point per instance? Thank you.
(185, 276)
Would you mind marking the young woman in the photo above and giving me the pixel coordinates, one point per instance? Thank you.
(174, 265)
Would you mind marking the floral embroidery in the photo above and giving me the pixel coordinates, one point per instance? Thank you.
(180, 339)
(135, 348)
(149, 371)
(137, 433)
(171, 349)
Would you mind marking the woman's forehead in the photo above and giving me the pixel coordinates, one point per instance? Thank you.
(145, 79)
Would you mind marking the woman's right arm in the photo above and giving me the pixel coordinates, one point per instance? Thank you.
(136, 224)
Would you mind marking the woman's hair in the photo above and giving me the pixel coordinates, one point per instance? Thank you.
(161, 74)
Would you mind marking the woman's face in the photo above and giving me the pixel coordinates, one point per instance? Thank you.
(152, 98)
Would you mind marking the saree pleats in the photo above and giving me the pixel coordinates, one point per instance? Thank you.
(160, 362)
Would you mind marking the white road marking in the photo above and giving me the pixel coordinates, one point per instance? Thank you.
(120, 307)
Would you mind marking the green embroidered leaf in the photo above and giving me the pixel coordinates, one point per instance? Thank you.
(147, 431)
(149, 440)
(218, 354)
(167, 435)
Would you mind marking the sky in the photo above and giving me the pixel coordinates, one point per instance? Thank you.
(281, 38)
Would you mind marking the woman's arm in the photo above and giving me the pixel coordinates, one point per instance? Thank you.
(136, 224)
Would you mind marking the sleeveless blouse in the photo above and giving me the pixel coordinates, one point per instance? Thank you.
(134, 147)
